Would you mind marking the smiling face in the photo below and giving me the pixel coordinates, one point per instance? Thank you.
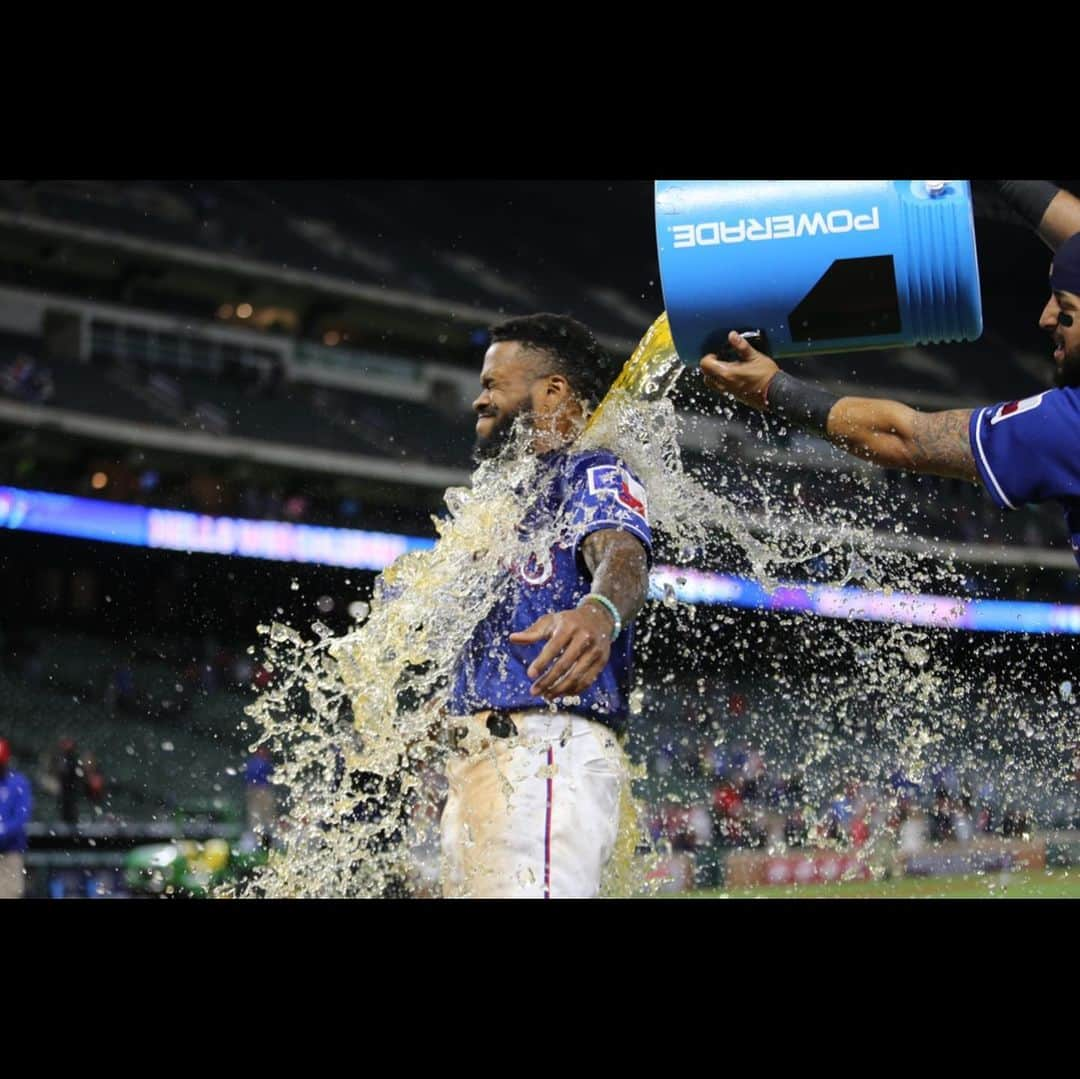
(1059, 319)
(517, 381)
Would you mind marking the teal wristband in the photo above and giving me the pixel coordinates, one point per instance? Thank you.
(611, 609)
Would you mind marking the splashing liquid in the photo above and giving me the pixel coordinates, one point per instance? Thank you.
(352, 785)
(357, 720)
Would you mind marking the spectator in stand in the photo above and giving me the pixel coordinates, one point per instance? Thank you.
(69, 774)
(16, 803)
(94, 783)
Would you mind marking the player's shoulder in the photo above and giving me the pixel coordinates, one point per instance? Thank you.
(580, 461)
(1060, 405)
(1068, 397)
(575, 458)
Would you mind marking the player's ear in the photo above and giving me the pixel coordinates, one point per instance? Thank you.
(557, 389)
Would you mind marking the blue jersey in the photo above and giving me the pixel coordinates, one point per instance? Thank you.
(1029, 451)
(15, 805)
(584, 492)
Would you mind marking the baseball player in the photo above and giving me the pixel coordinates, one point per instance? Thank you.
(540, 693)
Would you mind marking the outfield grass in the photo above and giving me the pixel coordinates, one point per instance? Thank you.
(1059, 884)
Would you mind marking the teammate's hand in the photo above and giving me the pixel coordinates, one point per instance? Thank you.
(746, 379)
(577, 650)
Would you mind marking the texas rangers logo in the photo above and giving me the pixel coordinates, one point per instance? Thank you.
(613, 480)
(1015, 408)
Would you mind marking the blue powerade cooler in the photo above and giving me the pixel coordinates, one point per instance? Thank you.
(817, 265)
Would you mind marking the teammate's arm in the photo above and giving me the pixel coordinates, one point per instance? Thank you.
(894, 436)
(1052, 213)
(1061, 220)
(579, 640)
(885, 432)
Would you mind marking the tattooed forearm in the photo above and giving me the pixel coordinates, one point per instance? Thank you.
(894, 436)
(619, 569)
(940, 444)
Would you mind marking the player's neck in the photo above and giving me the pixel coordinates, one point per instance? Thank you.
(559, 430)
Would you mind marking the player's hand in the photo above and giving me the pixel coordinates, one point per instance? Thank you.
(577, 650)
(746, 379)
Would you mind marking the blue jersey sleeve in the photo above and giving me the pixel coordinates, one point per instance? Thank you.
(603, 493)
(1029, 450)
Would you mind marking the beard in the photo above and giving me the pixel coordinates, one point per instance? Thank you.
(508, 439)
(1068, 374)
